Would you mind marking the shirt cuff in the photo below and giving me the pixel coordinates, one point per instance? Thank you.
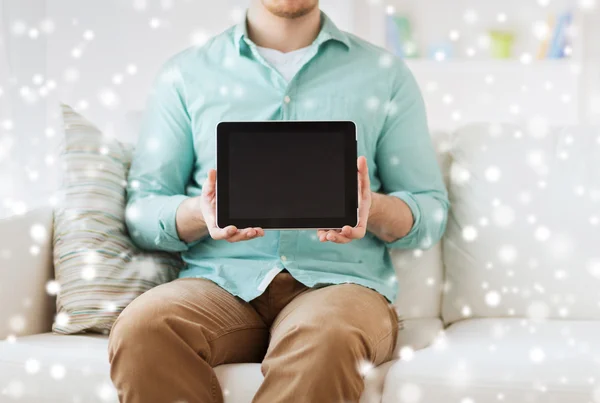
(168, 238)
(410, 240)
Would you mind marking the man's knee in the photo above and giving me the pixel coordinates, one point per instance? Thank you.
(138, 327)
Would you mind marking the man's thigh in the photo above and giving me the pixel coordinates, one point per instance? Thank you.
(349, 306)
(215, 324)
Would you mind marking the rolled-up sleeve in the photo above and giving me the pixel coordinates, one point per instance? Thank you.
(407, 165)
(162, 165)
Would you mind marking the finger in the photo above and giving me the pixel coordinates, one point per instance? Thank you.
(210, 182)
(334, 236)
(322, 235)
(243, 235)
(222, 233)
(363, 172)
(259, 231)
(347, 231)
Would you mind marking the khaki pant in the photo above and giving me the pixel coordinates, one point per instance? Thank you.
(312, 342)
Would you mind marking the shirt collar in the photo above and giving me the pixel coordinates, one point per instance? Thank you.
(329, 31)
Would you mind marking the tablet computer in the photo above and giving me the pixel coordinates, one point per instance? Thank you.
(287, 174)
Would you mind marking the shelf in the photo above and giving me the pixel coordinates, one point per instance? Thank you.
(508, 65)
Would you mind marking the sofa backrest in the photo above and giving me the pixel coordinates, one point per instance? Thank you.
(523, 236)
(420, 273)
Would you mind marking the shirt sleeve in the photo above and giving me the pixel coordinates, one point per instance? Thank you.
(162, 165)
(407, 165)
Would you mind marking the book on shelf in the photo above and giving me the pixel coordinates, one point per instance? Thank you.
(555, 46)
(545, 45)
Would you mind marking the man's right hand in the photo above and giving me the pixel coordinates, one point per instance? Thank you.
(208, 204)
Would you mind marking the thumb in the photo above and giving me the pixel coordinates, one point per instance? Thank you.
(210, 183)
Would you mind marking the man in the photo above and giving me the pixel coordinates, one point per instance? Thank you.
(313, 306)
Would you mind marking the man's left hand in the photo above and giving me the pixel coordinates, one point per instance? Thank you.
(348, 233)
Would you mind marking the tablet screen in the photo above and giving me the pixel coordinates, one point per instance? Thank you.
(279, 175)
(288, 174)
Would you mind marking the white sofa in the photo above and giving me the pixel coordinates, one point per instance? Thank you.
(509, 311)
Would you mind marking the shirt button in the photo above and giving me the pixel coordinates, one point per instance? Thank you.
(283, 257)
(287, 99)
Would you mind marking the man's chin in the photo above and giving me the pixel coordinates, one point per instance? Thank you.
(285, 11)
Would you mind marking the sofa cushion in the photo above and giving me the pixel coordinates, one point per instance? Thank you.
(74, 368)
(98, 268)
(502, 360)
(524, 230)
(55, 368)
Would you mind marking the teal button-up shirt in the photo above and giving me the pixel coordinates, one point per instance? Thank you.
(344, 78)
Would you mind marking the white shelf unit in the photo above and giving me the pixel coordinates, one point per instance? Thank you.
(464, 89)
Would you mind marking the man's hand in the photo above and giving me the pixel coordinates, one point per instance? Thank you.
(348, 233)
(208, 207)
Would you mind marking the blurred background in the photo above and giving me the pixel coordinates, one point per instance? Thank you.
(533, 62)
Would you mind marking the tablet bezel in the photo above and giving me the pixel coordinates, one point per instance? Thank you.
(223, 131)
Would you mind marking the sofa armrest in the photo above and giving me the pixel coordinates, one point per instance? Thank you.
(25, 268)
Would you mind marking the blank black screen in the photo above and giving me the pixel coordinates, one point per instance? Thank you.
(282, 175)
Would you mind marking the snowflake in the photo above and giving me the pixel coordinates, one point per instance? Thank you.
(57, 371)
(106, 392)
(470, 16)
(52, 287)
(407, 353)
(38, 233)
(433, 86)
(364, 367)
(537, 355)
(372, 103)
(386, 60)
(492, 298)
(155, 23)
(459, 175)
(469, 233)
(47, 26)
(541, 30)
(526, 58)
(507, 253)
(542, 233)
(32, 366)
(15, 389)
(538, 126)
(199, 38)
(140, 5)
(503, 215)
(19, 28)
(117, 79)
(89, 35)
(88, 273)
(410, 393)
(538, 310)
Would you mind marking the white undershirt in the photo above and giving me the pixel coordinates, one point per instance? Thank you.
(288, 64)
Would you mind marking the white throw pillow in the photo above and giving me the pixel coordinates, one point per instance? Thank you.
(523, 236)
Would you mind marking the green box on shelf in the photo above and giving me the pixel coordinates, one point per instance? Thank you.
(501, 44)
